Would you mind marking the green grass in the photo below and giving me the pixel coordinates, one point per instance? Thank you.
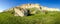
(40, 18)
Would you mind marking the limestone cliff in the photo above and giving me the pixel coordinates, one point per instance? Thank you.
(27, 9)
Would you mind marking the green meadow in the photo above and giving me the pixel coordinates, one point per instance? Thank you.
(39, 18)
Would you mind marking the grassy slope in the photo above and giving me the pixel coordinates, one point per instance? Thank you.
(49, 18)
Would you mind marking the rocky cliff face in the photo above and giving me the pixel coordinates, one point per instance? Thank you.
(27, 9)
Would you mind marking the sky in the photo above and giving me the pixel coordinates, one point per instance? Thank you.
(5, 4)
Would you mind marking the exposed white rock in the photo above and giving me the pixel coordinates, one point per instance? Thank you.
(26, 9)
(49, 9)
(1, 10)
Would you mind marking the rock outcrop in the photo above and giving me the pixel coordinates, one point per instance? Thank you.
(27, 9)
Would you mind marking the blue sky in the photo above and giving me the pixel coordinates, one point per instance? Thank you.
(5, 4)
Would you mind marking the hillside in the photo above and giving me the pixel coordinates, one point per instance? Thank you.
(30, 14)
(26, 9)
(40, 18)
